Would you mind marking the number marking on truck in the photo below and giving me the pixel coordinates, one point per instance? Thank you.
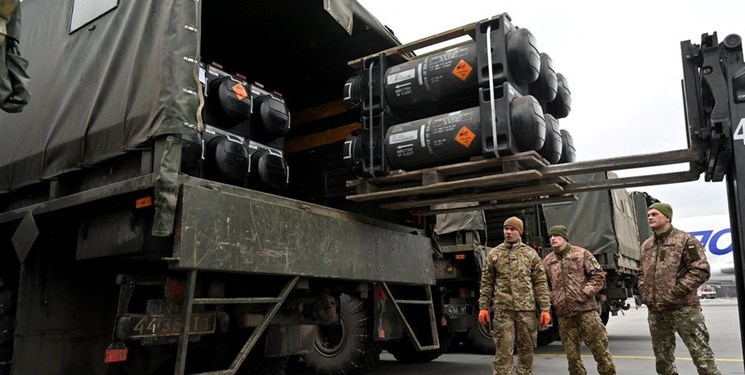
(148, 326)
(740, 131)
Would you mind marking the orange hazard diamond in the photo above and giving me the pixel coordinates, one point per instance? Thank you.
(240, 91)
(465, 137)
(462, 70)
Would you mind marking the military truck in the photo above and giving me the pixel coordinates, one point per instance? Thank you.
(154, 221)
(156, 211)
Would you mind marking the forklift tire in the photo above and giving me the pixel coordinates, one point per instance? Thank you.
(345, 348)
(479, 336)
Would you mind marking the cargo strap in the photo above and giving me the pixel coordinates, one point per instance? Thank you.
(435, 342)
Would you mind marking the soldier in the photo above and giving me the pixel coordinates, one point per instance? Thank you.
(513, 284)
(673, 266)
(575, 278)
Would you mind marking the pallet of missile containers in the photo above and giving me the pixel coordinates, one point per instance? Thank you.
(506, 182)
(473, 122)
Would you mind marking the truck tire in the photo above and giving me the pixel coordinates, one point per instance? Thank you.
(405, 352)
(345, 348)
(479, 336)
(7, 326)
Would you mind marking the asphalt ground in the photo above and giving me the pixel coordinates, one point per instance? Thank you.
(630, 346)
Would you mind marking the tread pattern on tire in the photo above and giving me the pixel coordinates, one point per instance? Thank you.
(481, 343)
(360, 354)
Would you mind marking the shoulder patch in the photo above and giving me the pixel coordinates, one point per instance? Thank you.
(595, 264)
(692, 250)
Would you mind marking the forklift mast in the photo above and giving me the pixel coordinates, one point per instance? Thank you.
(714, 93)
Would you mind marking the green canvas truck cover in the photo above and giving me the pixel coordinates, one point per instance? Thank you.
(603, 222)
(108, 85)
(101, 89)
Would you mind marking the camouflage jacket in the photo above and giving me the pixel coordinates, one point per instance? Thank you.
(669, 259)
(575, 277)
(513, 279)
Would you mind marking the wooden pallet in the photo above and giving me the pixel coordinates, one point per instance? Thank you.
(514, 180)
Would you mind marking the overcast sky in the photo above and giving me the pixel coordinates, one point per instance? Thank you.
(622, 62)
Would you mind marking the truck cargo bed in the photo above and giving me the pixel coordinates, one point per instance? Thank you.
(221, 227)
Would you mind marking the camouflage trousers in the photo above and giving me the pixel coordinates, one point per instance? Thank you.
(585, 327)
(689, 323)
(510, 328)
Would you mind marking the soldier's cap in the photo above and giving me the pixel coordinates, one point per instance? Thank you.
(664, 209)
(514, 222)
(559, 230)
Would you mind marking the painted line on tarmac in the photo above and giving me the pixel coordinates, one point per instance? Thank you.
(638, 357)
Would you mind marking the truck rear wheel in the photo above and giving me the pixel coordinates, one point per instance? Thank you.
(479, 336)
(345, 348)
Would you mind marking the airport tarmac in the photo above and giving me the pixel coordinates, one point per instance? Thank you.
(630, 346)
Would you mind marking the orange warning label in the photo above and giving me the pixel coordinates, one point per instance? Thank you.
(240, 91)
(465, 137)
(462, 70)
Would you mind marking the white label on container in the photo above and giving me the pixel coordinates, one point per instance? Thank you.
(421, 135)
(348, 150)
(401, 76)
(408, 136)
(347, 91)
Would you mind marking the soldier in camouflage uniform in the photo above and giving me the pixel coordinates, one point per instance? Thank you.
(513, 284)
(575, 277)
(673, 266)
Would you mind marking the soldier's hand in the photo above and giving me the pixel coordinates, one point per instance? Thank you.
(545, 318)
(484, 317)
(680, 290)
